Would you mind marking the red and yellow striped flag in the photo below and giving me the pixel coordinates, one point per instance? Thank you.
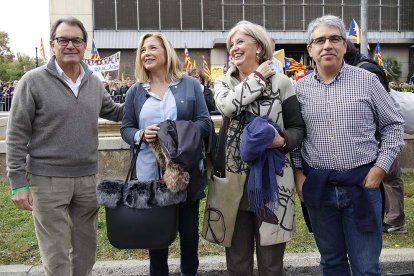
(206, 69)
(42, 50)
(187, 59)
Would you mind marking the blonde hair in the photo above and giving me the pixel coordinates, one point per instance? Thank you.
(258, 33)
(173, 63)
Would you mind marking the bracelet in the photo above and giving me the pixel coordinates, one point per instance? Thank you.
(20, 189)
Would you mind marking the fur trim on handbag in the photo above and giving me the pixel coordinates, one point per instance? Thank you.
(137, 194)
(163, 197)
(109, 192)
(176, 179)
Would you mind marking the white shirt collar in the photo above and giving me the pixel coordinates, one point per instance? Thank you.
(62, 73)
(74, 86)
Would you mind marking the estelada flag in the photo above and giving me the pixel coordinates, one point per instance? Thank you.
(94, 52)
(292, 65)
(354, 31)
(187, 59)
(206, 69)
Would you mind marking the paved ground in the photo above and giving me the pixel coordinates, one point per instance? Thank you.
(393, 262)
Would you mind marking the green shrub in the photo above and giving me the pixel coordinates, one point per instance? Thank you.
(403, 87)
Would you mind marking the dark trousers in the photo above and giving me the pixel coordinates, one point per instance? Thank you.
(239, 257)
(188, 231)
(394, 196)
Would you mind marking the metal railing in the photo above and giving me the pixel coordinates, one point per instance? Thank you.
(5, 103)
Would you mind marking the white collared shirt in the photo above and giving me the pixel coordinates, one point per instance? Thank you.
(74, 86)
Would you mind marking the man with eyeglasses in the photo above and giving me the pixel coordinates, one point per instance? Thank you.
(52, 151)
(340, 164)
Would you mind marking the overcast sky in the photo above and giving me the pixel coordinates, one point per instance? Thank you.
(26, 21)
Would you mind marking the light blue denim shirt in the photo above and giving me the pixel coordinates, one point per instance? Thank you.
(154, 111)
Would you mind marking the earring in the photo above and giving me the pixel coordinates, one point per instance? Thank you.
(258, 57)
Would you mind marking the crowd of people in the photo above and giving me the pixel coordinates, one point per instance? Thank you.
(336, 135)
(6, 94)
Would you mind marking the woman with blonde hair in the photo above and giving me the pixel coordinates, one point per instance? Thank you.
(252, 88)
(162, 93)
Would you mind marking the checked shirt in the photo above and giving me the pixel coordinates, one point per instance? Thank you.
(341, 121)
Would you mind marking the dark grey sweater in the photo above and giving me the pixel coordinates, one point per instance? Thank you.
(54, 130)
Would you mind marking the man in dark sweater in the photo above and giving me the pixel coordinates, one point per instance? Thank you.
(394, 221)
(52, 151)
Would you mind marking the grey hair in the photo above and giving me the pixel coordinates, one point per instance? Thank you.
(330, 20)
(256, 32)
(71, 21)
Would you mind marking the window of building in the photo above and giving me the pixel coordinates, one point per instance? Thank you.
(253, 11)
(233, 13)
(373, 12)
(127, 15)
(192, 17)
(104, 14)
(406, 15)
(222, 15)
(170, 15)
(274, 10)
(333, 7)
(148, 14)
(294, 15)
(389, 15)
(212, 15)
(313, 9)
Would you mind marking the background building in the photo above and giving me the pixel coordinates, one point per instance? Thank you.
(202, 25)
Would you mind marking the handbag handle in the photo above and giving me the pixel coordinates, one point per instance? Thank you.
(219, 167)
(135, 149)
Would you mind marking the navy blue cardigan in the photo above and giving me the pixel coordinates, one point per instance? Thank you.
(191, 106)
(316, 181)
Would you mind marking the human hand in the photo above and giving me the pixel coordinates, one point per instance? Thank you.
(266, 69)
(374, 177)
(299, 180)
(150, 133)
(278, 141)
(23, 200)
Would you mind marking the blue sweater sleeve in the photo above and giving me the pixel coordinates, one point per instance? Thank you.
(129, 122)
(201, 116)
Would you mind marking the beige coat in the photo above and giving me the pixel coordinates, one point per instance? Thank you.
(256, 96)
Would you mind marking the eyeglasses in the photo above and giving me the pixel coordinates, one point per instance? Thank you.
(335, 39)
(63, 41)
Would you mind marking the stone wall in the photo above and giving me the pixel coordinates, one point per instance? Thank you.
(114, 157)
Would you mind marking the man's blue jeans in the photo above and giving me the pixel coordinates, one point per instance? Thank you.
(338, 238)
(188, 231)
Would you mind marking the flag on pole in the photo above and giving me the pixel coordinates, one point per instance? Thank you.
(94, 52)
(42, 50)
(226, 62)
(206, 69)
(187, 59)
(386, 67)
(292, 65)
(354, 31)
(378, 55)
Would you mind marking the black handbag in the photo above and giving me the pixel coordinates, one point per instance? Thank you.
(139, 214)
